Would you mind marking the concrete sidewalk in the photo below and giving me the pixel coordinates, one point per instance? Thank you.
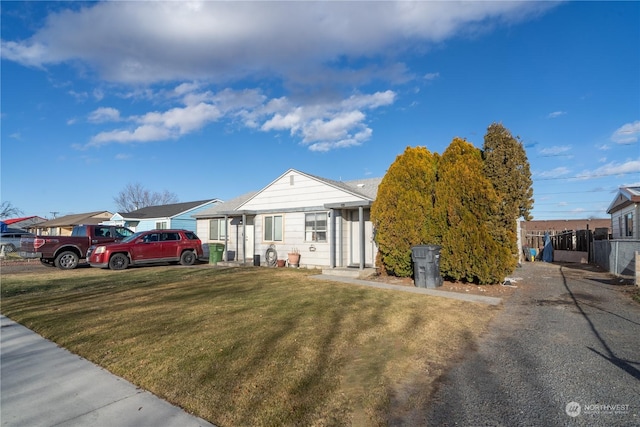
(42, 384)
(424, 291)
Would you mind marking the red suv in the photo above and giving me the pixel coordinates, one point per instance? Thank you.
(148, 247)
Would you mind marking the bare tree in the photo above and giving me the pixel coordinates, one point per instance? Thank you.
(8, 210)
(135, 196)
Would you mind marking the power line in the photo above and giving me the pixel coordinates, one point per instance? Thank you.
(586, 176)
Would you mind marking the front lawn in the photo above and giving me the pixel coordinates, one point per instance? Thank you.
(253, 346)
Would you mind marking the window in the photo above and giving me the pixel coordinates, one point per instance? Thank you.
(103, 232)
(149, 238)
(273, 228)
(217, 229)
(191, 235)
(162, 225)
(122, 232)
(628, 225)
(315, 227)
(169, 236)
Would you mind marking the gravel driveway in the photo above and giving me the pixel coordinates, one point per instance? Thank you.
(564, 351)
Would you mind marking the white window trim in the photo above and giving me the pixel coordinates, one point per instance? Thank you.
(273, 229)
(315, 230)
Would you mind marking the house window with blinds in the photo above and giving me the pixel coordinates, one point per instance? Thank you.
(315, 227)
(217, 229)
(273, 228)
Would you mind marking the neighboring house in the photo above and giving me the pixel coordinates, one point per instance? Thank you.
(176, 215)
(63, 225)
(625, 212)
(327, 221)
(24, 223)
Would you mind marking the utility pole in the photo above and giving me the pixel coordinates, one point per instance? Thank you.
(54, 213)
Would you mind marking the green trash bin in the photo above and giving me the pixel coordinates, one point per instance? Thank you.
(215, 252)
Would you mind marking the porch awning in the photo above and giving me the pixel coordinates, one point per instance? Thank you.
(343, 205)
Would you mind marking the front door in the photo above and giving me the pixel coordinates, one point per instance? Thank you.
(248, 242)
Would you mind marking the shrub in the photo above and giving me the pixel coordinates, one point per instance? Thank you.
(402, 213)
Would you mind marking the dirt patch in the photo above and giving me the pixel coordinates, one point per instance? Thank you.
(497, 290)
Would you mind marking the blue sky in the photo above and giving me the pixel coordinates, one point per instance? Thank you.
(215, 99)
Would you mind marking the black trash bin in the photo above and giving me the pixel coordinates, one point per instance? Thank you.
(426, 266)
(256, 260)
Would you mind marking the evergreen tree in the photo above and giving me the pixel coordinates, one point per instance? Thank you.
(465, 211)
(402, 213)
(507, 167)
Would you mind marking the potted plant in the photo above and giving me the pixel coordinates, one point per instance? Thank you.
(294, 257)
(281, 262)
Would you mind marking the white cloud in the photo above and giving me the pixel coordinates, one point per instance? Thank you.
(225, 41)
(321, 126)
(627, 133)
(554, 173)
(298, 45)
(612, 169)
(104, 114)
(603, 147)
(558, 150)
(121, 156)
(556, 114)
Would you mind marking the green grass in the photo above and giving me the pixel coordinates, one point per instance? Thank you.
(253, 346)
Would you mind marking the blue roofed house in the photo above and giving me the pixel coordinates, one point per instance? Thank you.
(326, 221)
(176, 215)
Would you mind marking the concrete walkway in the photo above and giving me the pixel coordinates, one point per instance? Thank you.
(42, 384)
(424, 291)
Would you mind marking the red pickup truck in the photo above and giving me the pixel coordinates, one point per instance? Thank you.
(65, 251)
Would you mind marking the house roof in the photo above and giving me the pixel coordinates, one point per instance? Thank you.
(225, 208)
(76, 219)
(366, 188)
(25, 218)
(625, 197)
(164, 211)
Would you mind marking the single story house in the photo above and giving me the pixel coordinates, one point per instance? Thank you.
(326, 221)
(175, 215)
(24, 223)
(623, 210)
(63, 226)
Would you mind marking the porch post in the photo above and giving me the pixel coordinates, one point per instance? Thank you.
(244, 237)
(226, 238)
(332, 239)
(361, 224)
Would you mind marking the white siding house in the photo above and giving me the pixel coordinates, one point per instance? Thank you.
(326, 221)
(625, 214)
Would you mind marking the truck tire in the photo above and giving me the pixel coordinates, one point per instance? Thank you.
(188, 258)
(66, 260)
(119, 262)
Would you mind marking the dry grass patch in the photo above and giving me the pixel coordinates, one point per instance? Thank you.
(253, 346)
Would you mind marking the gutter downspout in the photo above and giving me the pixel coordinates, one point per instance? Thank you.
(226, 239)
